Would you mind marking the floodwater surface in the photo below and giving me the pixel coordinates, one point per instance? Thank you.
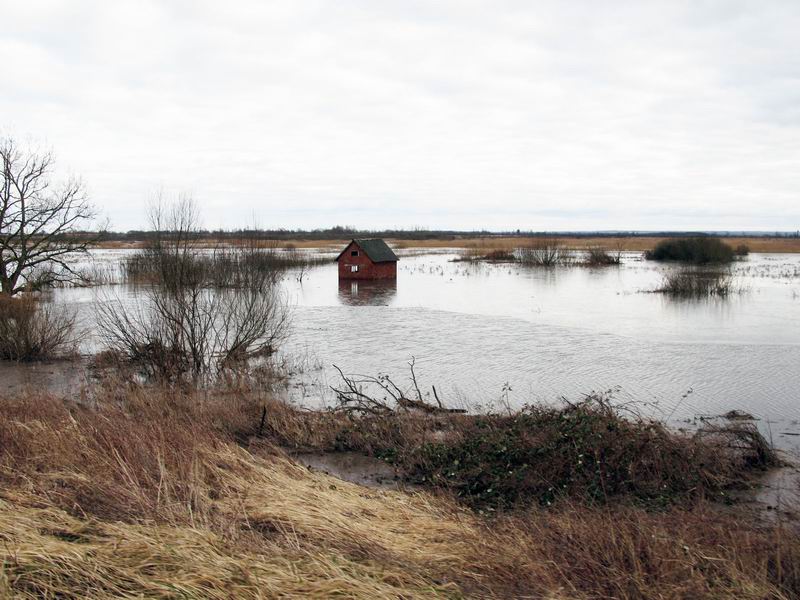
(492, 335)
(496, 335)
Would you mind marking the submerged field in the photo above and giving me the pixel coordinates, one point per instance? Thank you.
(493, 332)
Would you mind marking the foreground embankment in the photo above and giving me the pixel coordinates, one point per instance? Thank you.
(166, 493)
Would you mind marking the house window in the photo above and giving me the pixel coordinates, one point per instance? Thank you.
(354, 269)
(354, 253)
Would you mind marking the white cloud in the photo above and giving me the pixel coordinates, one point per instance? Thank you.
(458, 114)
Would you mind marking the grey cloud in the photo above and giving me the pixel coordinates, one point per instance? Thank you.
(565, 115)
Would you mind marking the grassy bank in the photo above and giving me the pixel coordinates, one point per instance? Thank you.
(586, 451)
(168, 494)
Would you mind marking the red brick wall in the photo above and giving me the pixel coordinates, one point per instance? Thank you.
(366, 268)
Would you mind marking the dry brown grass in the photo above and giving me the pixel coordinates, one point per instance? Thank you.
(150, 495)
(488, 243)
(611, 244)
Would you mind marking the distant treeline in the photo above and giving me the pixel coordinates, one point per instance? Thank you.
(340, 232)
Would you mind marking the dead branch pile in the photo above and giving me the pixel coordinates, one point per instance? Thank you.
(357, 395)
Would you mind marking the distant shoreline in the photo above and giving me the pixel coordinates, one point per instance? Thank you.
(625, 243)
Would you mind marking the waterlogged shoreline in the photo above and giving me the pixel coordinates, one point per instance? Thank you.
(544, 332)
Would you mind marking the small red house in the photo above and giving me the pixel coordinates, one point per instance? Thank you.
(367, 259)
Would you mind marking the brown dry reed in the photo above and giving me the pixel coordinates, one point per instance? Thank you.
(163, 494)
(33, 330)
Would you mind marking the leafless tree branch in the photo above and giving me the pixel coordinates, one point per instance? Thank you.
(354, 396)
(38, 220)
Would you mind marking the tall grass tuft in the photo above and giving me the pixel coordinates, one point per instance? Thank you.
(30, 330)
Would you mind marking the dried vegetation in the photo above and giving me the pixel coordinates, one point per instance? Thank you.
(30, 330)
(161, 494)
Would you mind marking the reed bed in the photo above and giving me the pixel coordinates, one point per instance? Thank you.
(612, 243)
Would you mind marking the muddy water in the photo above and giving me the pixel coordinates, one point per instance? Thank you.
(490, 334)
(477, 330)
(353, 467)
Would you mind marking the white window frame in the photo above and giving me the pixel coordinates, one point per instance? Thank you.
(354, 268)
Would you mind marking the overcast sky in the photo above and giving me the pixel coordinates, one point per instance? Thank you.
(449, 114)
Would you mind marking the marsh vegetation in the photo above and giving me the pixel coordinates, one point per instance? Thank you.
(544, 252)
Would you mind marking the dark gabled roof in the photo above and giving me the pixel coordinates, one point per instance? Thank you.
(376, 250)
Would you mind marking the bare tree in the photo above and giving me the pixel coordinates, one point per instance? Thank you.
(38, 219)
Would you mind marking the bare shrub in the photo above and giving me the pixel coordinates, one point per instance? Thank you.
(599, 257)
(199, 317)
(195, 332)
(30, 330)
(693, 250)
(353, 399)
(690, 283)
(544, 252)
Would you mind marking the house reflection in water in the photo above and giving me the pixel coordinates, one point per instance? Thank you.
(379, 292)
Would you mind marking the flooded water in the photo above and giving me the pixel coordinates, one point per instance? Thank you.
(490, 334)
(477, 330)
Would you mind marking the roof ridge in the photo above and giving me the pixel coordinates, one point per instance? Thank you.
(376, 249)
